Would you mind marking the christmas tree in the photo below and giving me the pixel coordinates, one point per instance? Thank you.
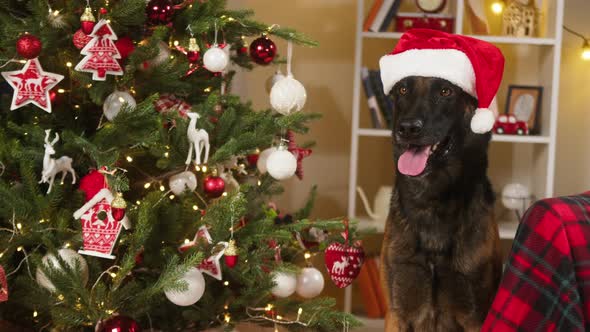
(161, 216)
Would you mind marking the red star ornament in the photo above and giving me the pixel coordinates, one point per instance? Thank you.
(210, 265)
(101, 53)
(31, 85)
(298, 152)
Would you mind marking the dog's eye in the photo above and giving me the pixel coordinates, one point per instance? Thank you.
(445, 92)
(402, 90)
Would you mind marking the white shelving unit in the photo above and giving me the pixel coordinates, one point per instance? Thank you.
(529, 61)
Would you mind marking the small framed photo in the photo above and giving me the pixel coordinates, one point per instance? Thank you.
(524, 104)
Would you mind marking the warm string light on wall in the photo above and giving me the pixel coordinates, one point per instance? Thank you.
(498, 7)
(585, 45)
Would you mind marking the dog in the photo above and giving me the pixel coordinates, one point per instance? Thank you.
(441, 263)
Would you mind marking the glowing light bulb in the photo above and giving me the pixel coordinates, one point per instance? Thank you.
(129, 159)
(586, 51)
(195, 207)
(35, 314)
(147, 185)
(162, 188)
(497, 7)
(19, 226)
(307, 255)
(68, 64)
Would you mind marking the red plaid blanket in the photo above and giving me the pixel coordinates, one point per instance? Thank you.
(546, 283)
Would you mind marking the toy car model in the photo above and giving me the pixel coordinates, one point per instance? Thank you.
(509, 125)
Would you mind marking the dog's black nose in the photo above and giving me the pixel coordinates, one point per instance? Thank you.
(410, 128)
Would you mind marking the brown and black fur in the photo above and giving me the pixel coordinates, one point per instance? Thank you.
(441, 260)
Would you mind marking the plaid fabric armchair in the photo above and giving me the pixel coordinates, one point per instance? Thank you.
(546, 283)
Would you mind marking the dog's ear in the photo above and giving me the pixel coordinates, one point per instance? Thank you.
(469, 104)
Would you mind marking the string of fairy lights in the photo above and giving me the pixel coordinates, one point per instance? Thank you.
(499, 5)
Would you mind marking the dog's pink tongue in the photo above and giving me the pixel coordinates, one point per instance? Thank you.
(413, 161)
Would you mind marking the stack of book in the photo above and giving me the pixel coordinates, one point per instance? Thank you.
(381, 15)
(380, 105)
(370, 288)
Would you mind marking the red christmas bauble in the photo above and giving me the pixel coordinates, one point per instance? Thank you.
(125, 47)
(252, 159)
(193, 56)
(103, 11)
(263, 50)
(159, 12)
(344, 263)
(119, 324)
(80, 39)
(243, 50)
(28, 46)
(231, 261)
(214, 186)
(87, 26)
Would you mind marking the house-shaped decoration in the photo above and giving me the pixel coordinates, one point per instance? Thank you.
(99, 228)
(520, 19)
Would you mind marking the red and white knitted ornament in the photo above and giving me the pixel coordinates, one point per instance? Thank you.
(474, 65)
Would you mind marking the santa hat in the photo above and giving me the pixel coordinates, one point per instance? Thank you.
(474, 65)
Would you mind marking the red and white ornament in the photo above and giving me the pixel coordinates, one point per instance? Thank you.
(263, 50)
(87, 21)
(118, 323)
(31, 85)
(101, 54)
(28, 46)
(3, 286)
(100, 228)
(80, 39)
(210, 265)
(344, 261)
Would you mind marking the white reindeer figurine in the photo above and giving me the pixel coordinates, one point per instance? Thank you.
(198, 139)
(52, 166)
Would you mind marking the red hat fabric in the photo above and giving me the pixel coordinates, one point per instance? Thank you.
(474, 65)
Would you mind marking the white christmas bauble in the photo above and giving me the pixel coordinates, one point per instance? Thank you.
(114, 102)
(287, 95)
(163, 55)
(70, 257)
(515, 196)
(215, 59)
(310, 283)
(285, 284)
(270, 82)
(196, 288)
(281, 164)
(262, 158)
(180, 182)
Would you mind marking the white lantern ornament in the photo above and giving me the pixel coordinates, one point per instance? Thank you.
(310, 283)
(196, 287)
(281, 164)
(287, 94)
(115, 101)
(285, 284)
(70, 257)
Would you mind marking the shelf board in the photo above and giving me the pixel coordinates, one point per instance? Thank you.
(508, 229)
(491, 39)
(374, 132)
(521, 139)
(516, 40)
(371, 132)
(384, 35)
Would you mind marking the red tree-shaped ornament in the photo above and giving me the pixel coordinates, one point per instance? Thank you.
(101, 53)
